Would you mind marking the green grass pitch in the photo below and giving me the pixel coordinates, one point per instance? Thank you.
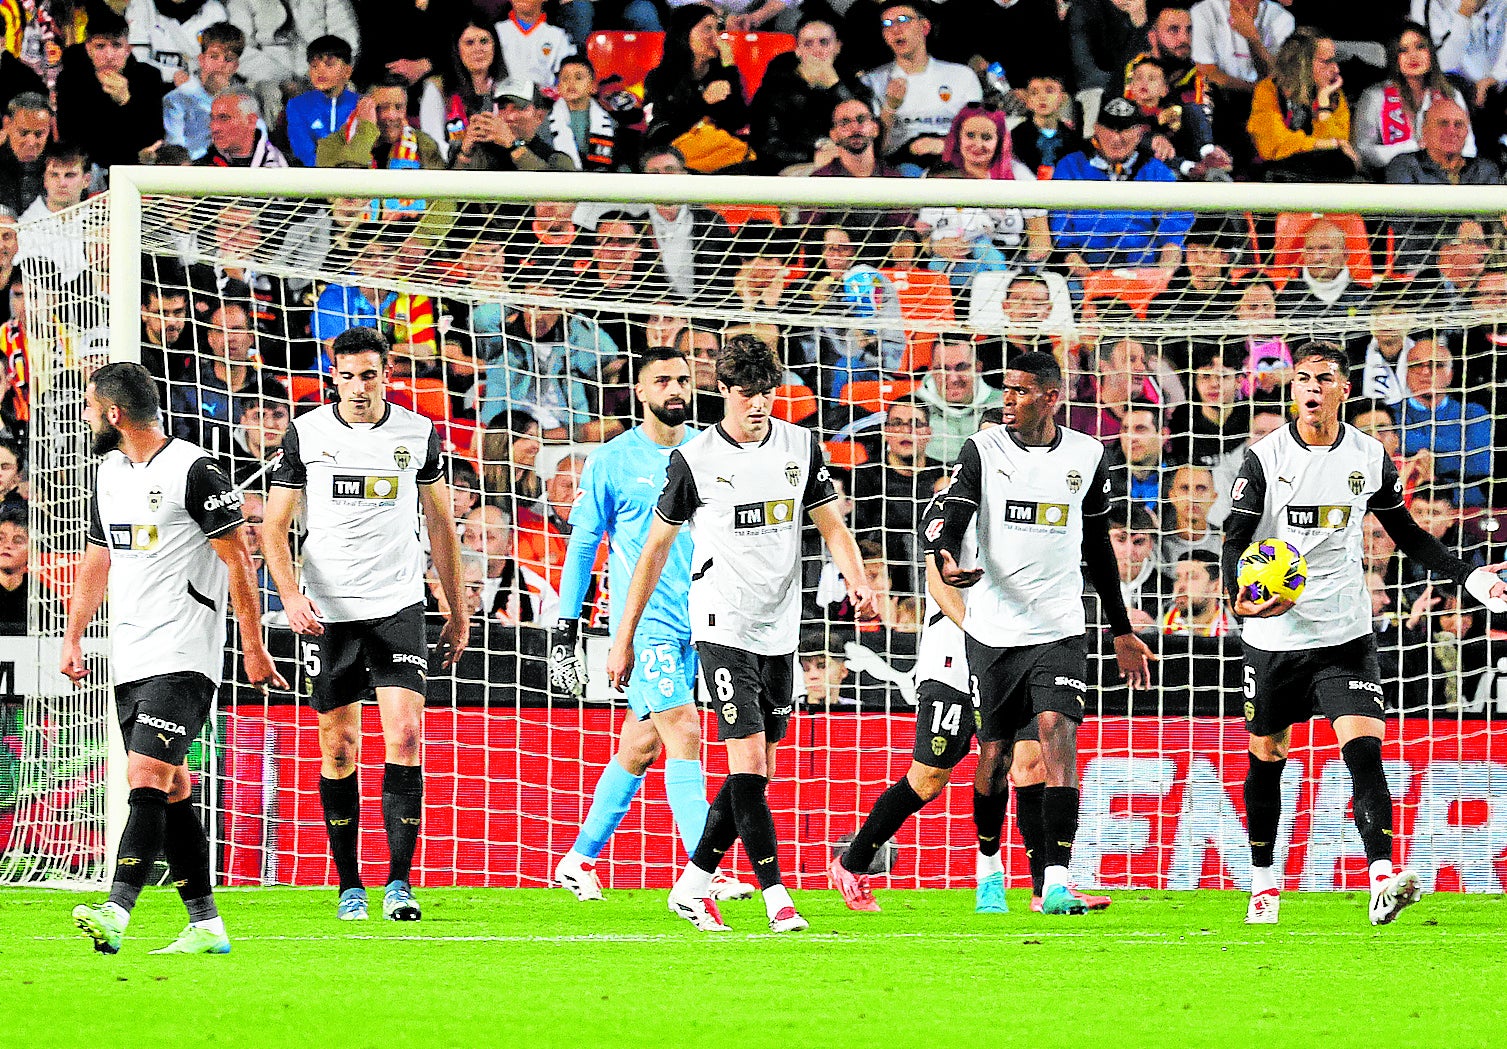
(534, 968)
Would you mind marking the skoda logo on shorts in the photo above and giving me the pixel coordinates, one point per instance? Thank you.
(401, 456)
(729, 712)
(938, 745)
(1074, 481)
(792, 473)
(1357, 483)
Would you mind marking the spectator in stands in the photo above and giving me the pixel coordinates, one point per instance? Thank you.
(15, 570)
(1467, 39)
(550, 365)
(773, 16)
(511, 594)
(581, 127)
(1143, 585)
(1180, 136)
(1300, 121)
(1456, 432)
(1046, 135)
(1264, 419)
(1215, 421)
(955, 393)
(1169, 40)
(9, 246)
(1100, 33)
(1268, 360)
(513, 137)
(1383, 376)
(964, 241)
(237, 138)
(166, 36)
(618, 268)
(855, 133)
(186, 109)
(473, 566)
(919, 95)
(280, 316)
(1202, 287)
(1435, 510)
(1190, 496)
(789, 118)
(12, 474)
(1197, 607)
(1116, 375)
(1029, 321)
(1459, 265)
(65, 177)
(1234, 42)
(278, 35)
(1443, 159)
(201, 409)
(108, 103)
(687, 244)
(407, 318)
(510, 447)
(1134, 462)
(532, 49)
(1100, 239)
(824, 671)
(695, 84)
(542, 538)
(1324, 286)
(701, 345)
(1378, 550)
(1380, 421)
(27, 127)
(464, 86)
(377, 134)
(328, 104)
(1389, 115)
(261, 419)
(165, 344)
(890, 493)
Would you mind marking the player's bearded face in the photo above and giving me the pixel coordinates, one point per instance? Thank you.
(104, 437)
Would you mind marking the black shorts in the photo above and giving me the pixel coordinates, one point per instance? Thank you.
(946, 720)
(1284, 688)
(349, 659)
(161, 716)
(748, 692)
(1013, 685)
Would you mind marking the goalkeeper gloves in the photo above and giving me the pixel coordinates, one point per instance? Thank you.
(567, 670)
(1479, 585)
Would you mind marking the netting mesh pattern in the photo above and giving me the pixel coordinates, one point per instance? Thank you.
(513, 325)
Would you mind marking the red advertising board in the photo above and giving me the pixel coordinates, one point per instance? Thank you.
(505, 791)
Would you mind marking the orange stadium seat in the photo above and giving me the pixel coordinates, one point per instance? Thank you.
(794, 403)
(874, 394)
(735, 215)
(1134, 287)
(752, 53)
(428, 397)
(1292, 227)
(845, 454)
(629, 55)
(306, 386)
(925, 295)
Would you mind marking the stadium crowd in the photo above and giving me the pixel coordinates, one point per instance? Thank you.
(1103, 90)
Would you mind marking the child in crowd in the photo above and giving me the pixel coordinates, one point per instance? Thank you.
(325, 108)
(582, 129)
(185, 110)
(1040, 142)
(1179, 136)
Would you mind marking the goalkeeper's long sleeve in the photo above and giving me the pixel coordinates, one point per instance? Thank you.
(575, 576)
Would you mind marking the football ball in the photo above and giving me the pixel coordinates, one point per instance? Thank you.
(1272, 568)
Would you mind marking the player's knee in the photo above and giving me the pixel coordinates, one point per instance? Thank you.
(1028, 767)
(681, 733)
(927, 781)
(403, 742)
(1056, 730)
(637, 755)
(156, 776)
(342, 747)
(1269, 748)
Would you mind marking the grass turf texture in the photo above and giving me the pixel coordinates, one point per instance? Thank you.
(536, 968)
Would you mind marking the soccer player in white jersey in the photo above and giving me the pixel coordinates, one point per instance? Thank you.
(743, 486)
(1310, 483)
(619, 487)
(365, 468)
(165, 541)
(1040, 494)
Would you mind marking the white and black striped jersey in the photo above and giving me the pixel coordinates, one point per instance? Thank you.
(1031, 503)
(1315, 499)
(363, 557)
(745, 504)
(940, 655)
(168, 588)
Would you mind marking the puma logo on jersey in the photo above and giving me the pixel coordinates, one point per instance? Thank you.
(726, 480)
(1285, 480)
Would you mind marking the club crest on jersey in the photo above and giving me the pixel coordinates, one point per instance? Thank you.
(154, 500)
(938, 745)
(381, 488)
(1074, 481)
(1324, 518)
(1357, 483)
(945, 93)
(401, 456)
(792, 473)
(1026, 512)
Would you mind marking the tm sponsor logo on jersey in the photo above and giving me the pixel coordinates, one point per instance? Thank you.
(776, 513)
(137, 537)
(1026, 512)
(1326, 518)
(379, 487)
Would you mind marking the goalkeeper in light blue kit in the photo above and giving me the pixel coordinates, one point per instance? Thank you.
(619, 489)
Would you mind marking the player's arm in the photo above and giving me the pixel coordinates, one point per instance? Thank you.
(1131, 653)
(1483, 584)
(88, 594)
(1247, 501)
(820, 500)
(444, 550)
(245, 601)
(948, 598)
(567, 670)
(288, 481)
(960, 503)
(651, 564)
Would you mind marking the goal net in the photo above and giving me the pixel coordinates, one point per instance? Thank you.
(515, 304)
